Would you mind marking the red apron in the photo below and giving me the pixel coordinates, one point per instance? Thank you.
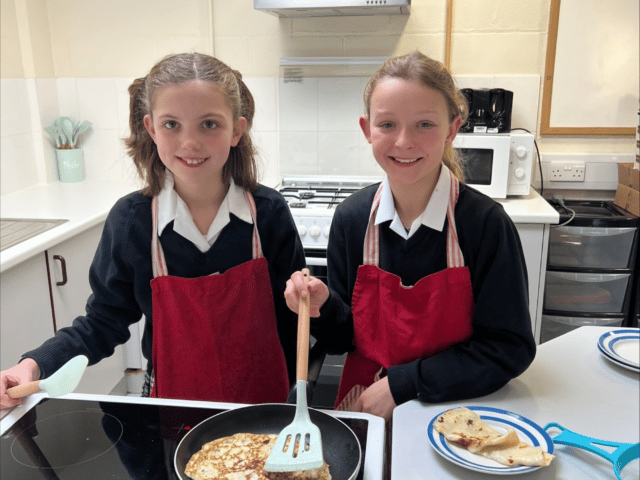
(394, 324)
(215, 337)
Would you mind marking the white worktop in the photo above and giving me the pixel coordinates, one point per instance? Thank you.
(87, 203)
(83, 204)
(530, 209)
(570, 382)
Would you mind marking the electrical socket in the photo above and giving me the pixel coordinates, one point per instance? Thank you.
(566, 171)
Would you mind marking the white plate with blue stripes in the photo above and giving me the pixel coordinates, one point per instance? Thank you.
(622, 346)
(499, 420)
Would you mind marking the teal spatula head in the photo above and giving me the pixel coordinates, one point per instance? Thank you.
(66, 379)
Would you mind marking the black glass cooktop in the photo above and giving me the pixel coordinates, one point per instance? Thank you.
(90, 440)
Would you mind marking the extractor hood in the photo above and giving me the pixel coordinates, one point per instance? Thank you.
(332, 8)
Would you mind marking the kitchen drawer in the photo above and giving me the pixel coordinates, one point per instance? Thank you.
(554, 325)
(586, 292)
(591, 247)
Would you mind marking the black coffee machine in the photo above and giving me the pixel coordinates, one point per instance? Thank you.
(489, 110)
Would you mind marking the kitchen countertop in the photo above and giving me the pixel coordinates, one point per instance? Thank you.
(86, 204)
(570, 383)
(531, 208)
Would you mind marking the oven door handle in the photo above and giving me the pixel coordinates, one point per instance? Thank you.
(316, 261)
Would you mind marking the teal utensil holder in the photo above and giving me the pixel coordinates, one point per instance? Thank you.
(70, 165)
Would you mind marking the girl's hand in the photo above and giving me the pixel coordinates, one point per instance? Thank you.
(296, 288)
(26, 371)
(377, 400)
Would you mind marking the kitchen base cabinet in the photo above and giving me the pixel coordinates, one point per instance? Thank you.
(30, 313)
(535, 239)
(70, 300)
(25, 309)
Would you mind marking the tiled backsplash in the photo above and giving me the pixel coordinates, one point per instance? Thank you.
(28, 105)
(319, 130)
(317, 121)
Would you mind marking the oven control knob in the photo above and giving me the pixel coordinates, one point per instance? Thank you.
(302, 230)
(521, 151)
(519, 173)
(325, 231)
(315, 231)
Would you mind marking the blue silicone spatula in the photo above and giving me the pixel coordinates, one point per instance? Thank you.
(299, 445)
(64, 381)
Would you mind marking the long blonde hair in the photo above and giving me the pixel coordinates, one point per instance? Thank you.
(432, 74)
(174, 70)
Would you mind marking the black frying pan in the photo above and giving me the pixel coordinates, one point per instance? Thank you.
(340, 446)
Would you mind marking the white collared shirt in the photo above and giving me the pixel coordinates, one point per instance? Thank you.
(172, 208)
(432, 217)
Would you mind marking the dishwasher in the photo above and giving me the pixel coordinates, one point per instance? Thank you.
(592, 268)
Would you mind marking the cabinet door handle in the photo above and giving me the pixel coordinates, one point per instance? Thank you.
(63, 266)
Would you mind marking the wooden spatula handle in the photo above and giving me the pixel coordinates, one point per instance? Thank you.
(302, 365)
(24, 390)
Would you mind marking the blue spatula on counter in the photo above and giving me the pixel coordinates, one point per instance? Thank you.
(64, 381)
(621, 455)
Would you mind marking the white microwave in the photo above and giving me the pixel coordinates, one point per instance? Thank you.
(497, 165)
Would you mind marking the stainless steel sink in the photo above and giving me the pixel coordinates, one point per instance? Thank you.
(16, 230)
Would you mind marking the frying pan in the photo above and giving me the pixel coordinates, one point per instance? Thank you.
(340, 445)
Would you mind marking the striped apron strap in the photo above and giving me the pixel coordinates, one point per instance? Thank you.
(454, 253)
(159, 263)
(257, 246)
(371, 254)
(157, 255)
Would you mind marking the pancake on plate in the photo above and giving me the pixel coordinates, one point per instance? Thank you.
(242, 457)
(467, 429)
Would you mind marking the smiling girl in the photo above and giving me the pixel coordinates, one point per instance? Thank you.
(203, 252)
(427, 280)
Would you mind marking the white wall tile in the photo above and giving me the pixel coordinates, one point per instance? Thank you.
(68, 98)
(367, 163)
(22, 114)
(97, 102)
(338, 153)
(47, 91)
(299, 153)
(18, 167)
(103, 156)
(339, 104)
(265, 97)
(298, 105)
(122, 103)
(266, 144)
(14, 108)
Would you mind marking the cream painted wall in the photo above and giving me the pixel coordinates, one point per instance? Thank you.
(11, 58)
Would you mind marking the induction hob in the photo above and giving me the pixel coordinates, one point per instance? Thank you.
(80, 437)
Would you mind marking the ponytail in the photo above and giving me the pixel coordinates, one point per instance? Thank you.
(241, 165)
(140, 146)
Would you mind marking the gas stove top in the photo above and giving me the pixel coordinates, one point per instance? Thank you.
(79, 437)
(312, 200)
